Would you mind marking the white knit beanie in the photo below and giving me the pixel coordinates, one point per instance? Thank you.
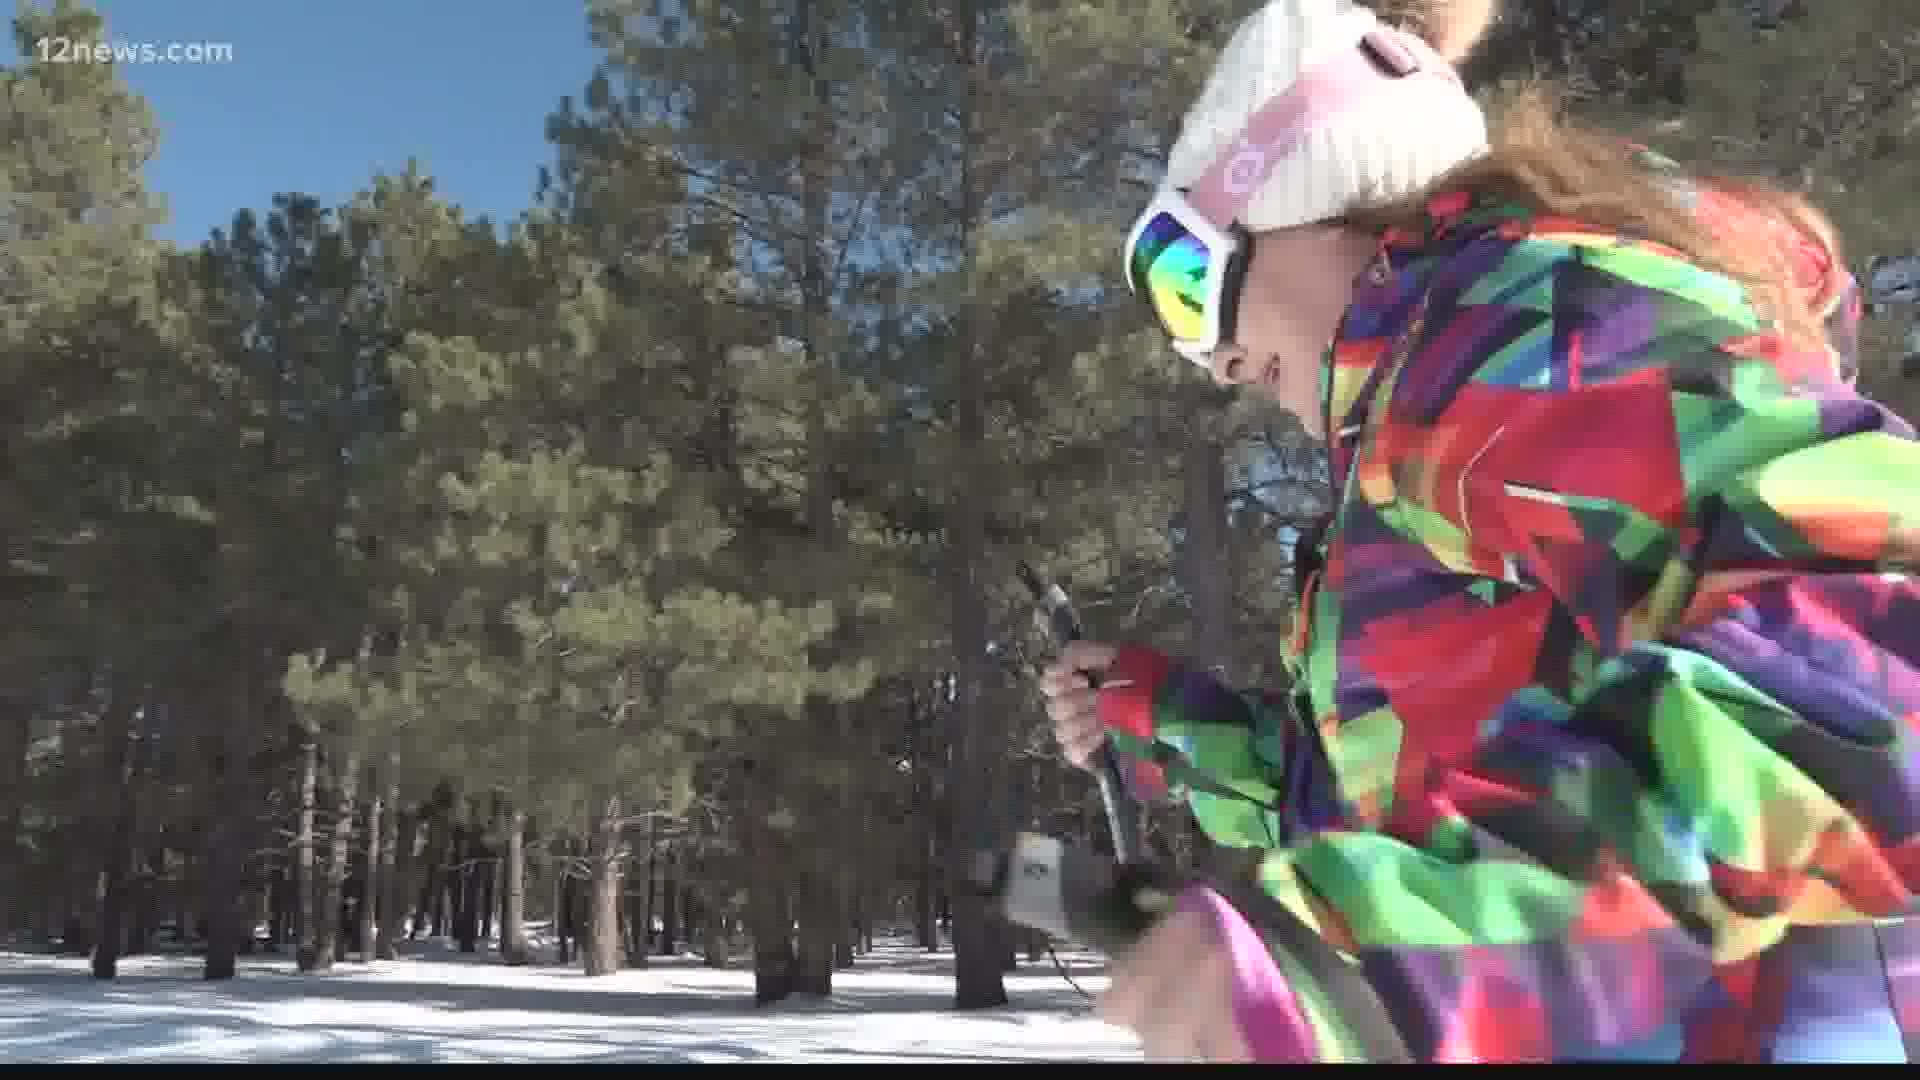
(1393, 143)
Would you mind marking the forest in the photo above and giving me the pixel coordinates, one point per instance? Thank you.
(646, 564)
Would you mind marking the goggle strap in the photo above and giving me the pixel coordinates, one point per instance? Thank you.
(1280, 125)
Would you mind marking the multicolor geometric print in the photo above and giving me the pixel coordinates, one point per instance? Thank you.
(1602, 744)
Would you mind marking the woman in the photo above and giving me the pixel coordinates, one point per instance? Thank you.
(1598, 744)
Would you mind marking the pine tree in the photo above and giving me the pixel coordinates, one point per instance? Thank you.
(102, 533)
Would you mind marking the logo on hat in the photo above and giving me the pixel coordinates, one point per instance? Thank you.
(1246, 168)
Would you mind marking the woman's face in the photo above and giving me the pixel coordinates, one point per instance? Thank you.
(1298, 287)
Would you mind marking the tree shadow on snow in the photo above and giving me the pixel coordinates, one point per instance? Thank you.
(568, 998)
(184, 1036)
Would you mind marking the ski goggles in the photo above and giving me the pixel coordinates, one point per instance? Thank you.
(1189, 271)
(1187, 254)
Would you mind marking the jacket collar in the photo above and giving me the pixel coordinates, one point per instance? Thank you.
(1384, 317)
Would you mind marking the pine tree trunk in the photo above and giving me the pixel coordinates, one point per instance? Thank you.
(513, 914)
(978, 732)
(812, 970)
(813, 967)
(339, 853)
(640, 912)
(146, 904)
(926, 921)
(562, 903)
(602, 954)
(670, 908)
(815, 894)
(279, 906)
(767, 910)
(487, 880)
(257, 910)
(713, 932)
(847, 926)
(848, 847)
(398, 853)
(920, 718)
(224, 923)
(690, 908)
(377, 869)
(16, 739)
(713, 940)
(116, 866)
(426, 912)
(306, 953)
(231, 801)
(436, 864)
(464, 888)
(453, 889)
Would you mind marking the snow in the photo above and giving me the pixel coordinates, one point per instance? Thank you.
(435, 1005)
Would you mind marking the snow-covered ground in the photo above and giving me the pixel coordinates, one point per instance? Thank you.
(437, 1005)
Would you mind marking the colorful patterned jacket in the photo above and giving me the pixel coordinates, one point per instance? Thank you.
(1602, 742)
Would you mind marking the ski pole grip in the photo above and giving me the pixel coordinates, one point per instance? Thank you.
(1123, 821)
(1121, 818)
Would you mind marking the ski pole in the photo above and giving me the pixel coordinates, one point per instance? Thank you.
(1123, 818)
(1042, 883)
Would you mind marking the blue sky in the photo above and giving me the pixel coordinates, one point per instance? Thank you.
(317, 97)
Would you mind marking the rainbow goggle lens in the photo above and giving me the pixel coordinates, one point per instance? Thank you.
(1189, 272)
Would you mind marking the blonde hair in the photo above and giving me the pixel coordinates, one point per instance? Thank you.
(1542, 160)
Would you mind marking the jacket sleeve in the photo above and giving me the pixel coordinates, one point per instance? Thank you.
(1728, 531)
(1247, 772)
(1183, 734)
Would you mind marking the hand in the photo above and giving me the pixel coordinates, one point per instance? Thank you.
(1174, 989)
(1071, 699)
